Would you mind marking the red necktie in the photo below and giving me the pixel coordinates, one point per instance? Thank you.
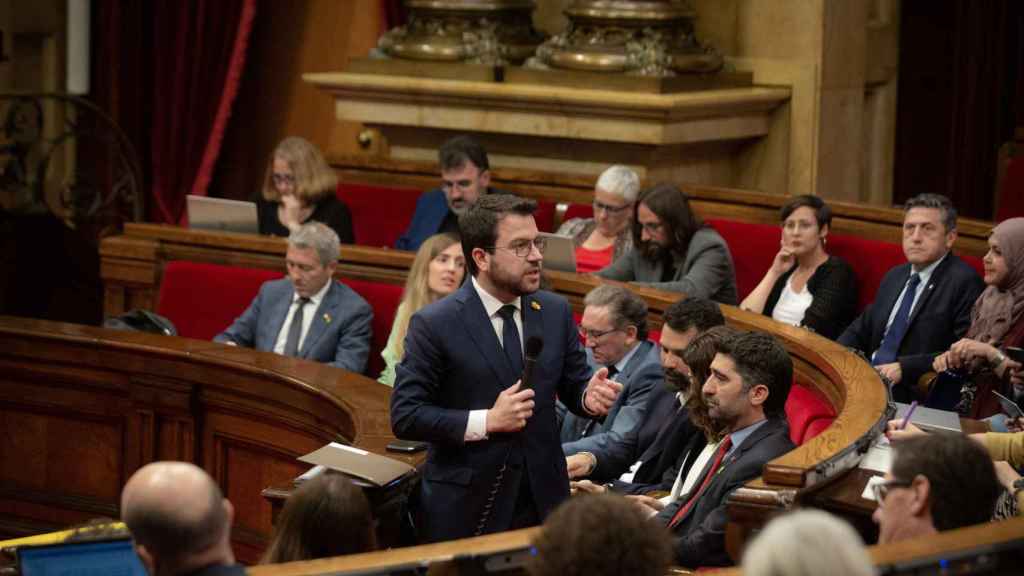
(719, 455)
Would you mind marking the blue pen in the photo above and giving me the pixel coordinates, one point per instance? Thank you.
(910, 412)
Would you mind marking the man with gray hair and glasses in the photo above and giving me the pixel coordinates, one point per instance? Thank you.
(614, 328)
(921, 307)
(307, 314)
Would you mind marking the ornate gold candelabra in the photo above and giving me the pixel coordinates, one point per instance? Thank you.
(471, 31)
(641, 37)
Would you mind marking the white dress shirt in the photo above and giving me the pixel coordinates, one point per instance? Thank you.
(308, 313)
(476, 426)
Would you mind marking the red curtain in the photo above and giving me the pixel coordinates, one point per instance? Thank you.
(168, 72)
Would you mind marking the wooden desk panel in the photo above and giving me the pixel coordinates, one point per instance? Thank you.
(82, 408)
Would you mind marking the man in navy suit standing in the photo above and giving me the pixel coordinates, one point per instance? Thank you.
(307, 314)
(922, 307)
(495, 461)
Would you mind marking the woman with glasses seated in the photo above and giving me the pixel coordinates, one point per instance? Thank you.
(997, 322)
(606, 236)
(437, 271)
(300, 187)
(804, 285)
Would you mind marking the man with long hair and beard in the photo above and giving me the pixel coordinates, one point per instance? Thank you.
(674, 251)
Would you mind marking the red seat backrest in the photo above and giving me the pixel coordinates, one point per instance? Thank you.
(380, 214)
(545, 215)
(870, 260)
(753, 247)
(578, 211)
(808, 413)
(384, 299)
(204, 299)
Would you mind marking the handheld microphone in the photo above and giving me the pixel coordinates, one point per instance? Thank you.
(534, 346)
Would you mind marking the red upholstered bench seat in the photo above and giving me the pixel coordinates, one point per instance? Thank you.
(381, 214)
(808, 413)
(204, 299)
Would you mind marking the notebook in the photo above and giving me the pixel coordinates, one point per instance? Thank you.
(930, 418)
(560, 254)
(220, 214)
(374, 468)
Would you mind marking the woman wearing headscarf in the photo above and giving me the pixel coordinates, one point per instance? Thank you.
(997, 322)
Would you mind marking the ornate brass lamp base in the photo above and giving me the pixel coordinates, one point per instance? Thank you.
(641, 37)
(471, 31)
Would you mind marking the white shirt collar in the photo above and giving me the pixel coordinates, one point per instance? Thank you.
(492, 304)
(621, 364)
(315, 299)
(926, 272)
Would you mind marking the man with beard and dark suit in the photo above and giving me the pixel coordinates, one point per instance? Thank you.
(673, 250)
(646, 452)
(465, 176)
(614, 327)
(922, 307)
(495, 462)
(746, 392)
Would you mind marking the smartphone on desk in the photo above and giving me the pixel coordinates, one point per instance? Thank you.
(407, 446)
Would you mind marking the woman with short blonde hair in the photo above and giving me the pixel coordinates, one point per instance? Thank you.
(300, 187)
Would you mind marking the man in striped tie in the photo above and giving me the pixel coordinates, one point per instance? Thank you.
(747, 390)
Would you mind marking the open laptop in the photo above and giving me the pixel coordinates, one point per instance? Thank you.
(930, 418)
(560, 254)
(220, 214)
(85, 558)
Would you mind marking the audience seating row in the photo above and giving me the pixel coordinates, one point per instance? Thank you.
(228, 290)
(753, 246)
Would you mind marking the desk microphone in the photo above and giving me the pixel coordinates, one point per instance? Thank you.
(534, 345)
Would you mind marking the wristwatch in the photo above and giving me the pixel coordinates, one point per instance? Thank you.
(1018, 486)
(1000, 358)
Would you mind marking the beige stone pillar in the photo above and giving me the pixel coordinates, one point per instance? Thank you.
(834, 138)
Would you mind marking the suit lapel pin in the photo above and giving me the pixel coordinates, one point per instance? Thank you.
(535, 305)
(327, 318)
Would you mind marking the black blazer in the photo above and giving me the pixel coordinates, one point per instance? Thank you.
(699, 539)
(615, 458)
(662, 458)
(940, 317)
(833, 287)
(454, 364)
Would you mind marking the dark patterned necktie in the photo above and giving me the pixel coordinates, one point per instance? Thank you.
(510, 339)
(291, 345)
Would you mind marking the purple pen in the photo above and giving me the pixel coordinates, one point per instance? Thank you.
(910, 412)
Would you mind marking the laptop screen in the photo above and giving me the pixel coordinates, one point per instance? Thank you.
(109, 557)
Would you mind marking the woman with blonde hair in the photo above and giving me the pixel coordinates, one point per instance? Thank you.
(437, 271)
(300, 187)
